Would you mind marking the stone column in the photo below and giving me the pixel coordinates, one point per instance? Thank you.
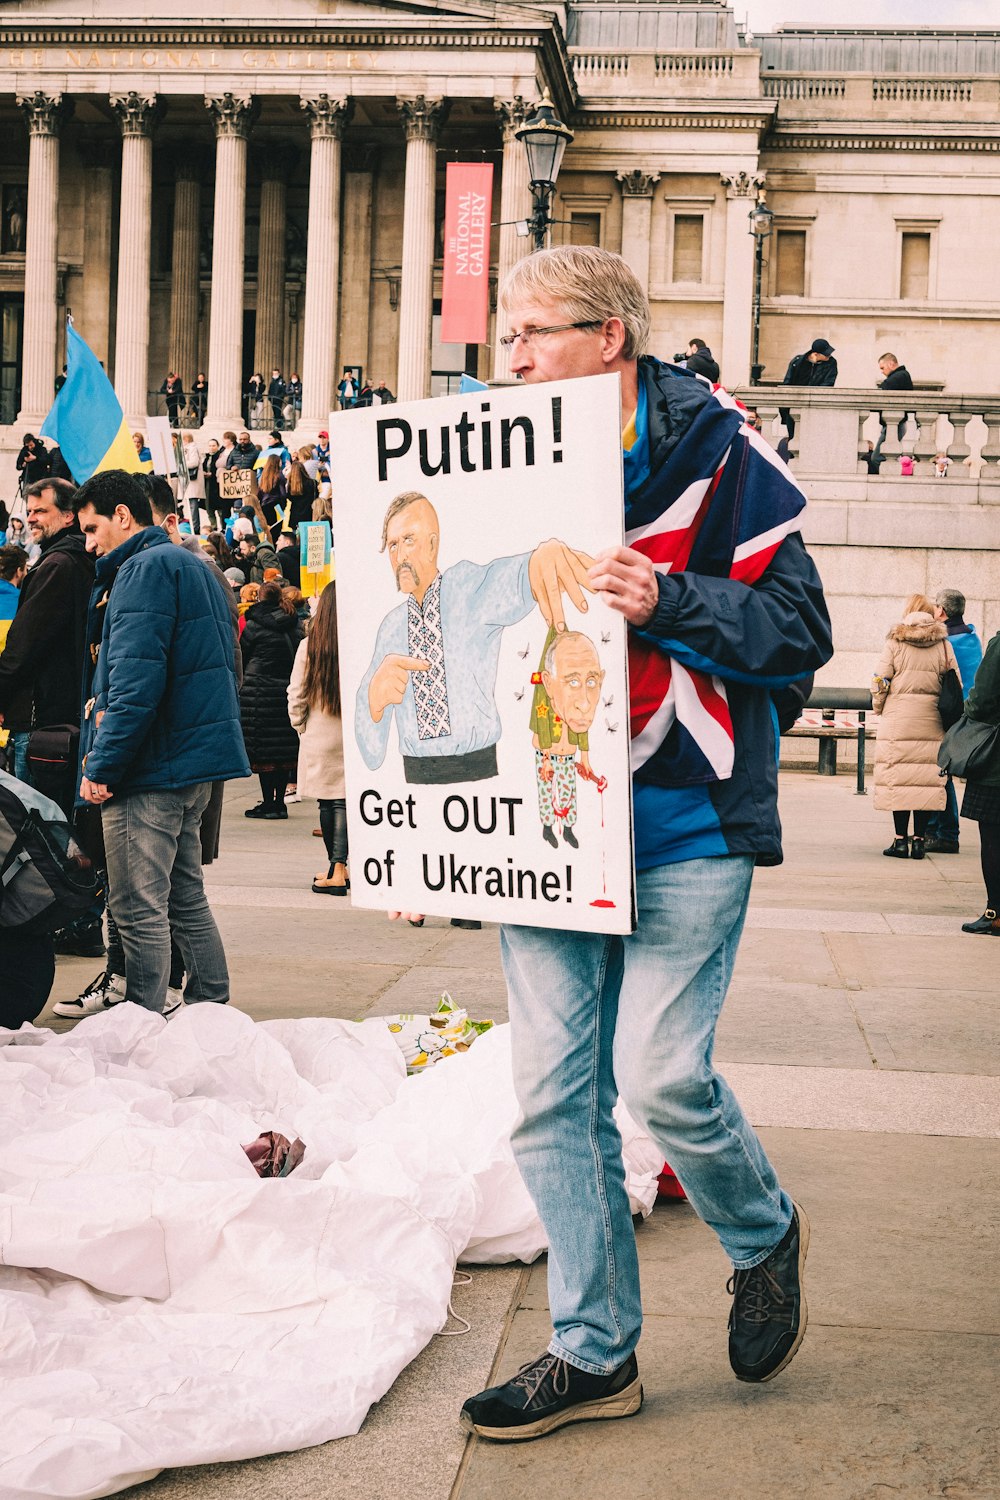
(189, 169)
(360, 165)
(422, 121)
(233, 116)
(93, 321)
(44, 115)
(515, 203)
(328, 119)
(137, 115)
(277, 162)
(742, 190)
(637, 214)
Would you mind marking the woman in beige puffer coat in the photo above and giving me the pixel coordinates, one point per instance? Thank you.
(905, 692)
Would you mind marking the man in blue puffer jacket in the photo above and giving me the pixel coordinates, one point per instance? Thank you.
(161, 722)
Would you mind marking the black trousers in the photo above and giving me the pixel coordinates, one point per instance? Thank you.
(333, 822)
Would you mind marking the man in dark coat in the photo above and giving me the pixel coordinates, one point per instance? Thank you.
(42, 665)
(700, 362)
(276, 392)
(895, 377)
(32, 461)
(161, 723)
(816, 367)
(244, 455)
(173, 389)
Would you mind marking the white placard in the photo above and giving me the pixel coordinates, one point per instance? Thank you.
(483, 780)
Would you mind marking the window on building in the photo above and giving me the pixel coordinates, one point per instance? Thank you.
(689, 244)
(915, 267)
(449, 362)
(585, 229)
(790, 263)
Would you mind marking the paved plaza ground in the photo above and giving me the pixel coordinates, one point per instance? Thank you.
(861, 1033)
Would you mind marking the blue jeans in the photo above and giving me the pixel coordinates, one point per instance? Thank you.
(944, 825)
(596, 1016)
(155, 883)
(19, 741)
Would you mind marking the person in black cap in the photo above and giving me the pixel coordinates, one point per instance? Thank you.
(816, 367)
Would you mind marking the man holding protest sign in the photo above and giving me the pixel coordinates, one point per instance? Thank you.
(724, 606)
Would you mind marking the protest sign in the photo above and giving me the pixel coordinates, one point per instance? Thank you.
(486, 747)
(315, 557)
(236, 486)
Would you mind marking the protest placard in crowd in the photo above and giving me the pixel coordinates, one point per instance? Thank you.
(484, 688)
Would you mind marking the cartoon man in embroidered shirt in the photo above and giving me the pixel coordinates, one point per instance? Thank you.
(567, 692)
(435, 660)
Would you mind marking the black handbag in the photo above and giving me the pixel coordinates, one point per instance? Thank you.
(951, 699)
(52, 758)
(969, 747)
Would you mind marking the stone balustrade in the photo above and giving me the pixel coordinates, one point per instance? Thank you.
(877, 538)
(867, 96)
(644, 73)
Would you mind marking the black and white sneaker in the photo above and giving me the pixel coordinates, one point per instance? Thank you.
(548, 1393)
(173, 1002)
(103, 992)
(768, 1318)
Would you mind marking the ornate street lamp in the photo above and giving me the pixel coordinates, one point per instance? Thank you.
(545, 140)
(761, 223)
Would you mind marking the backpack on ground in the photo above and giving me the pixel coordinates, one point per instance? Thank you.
(46, 880)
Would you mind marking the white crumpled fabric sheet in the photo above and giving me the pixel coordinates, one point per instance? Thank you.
(161, 1305)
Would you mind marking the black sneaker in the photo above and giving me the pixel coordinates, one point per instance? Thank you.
(942, 846)
(548, 1393)
(79, 942)
(768, 1318)
(261, 810)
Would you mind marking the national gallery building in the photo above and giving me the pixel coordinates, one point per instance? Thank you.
(207, 191)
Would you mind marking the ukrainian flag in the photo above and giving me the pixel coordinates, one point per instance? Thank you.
(86, 420)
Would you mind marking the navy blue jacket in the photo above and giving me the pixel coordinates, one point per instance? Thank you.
(757, 639)
(161, 709)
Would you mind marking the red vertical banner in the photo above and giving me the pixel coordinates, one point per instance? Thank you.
(465, 293)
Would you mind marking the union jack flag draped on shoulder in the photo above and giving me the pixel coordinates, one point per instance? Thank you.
(721, 506)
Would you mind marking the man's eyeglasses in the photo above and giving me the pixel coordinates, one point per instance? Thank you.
(527, 334)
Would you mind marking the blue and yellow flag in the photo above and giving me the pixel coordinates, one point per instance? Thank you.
(86, 420)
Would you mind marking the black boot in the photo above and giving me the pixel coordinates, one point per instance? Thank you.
(570, 837)
(898, 849)
(988, 925)
(549, 836)
(917, 848)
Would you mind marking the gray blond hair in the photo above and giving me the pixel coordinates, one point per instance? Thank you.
(589, 284)
(952, 601)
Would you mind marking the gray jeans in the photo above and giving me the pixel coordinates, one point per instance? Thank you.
(153, 845)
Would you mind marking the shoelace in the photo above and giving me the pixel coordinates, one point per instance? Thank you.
(754, 1290)
(530, 1377)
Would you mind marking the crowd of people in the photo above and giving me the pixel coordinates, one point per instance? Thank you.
(113, 631)
(274, 400)
(181, 655)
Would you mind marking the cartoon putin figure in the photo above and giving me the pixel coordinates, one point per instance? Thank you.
(567, 692)
(434, 666)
